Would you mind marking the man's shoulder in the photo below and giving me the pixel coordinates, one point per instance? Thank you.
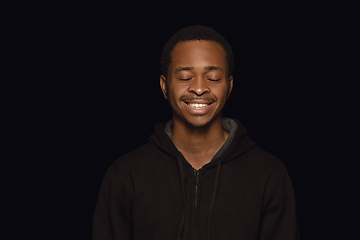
(136, 157)
(264, 161)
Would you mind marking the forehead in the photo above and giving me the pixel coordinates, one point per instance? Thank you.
(199, 53)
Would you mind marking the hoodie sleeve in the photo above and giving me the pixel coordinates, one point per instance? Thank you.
(112, 217)
(278, 219)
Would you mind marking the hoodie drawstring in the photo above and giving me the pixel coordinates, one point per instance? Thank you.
(182, 222)
(213, 197)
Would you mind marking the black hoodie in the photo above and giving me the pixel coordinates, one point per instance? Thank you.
(154, 193)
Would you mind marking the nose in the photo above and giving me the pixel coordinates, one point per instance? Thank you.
(198, 86)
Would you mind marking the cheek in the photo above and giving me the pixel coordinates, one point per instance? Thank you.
(222, 93)
(175, 91)
(173, 94)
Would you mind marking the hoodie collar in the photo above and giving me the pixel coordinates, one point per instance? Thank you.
(228, 124)
(237, 142)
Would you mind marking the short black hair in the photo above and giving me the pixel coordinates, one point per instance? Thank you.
(191, 33)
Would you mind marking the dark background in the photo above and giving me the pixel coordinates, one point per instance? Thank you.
(95, 96)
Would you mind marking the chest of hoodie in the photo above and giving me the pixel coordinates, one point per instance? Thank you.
(158, 202)
(235, 200)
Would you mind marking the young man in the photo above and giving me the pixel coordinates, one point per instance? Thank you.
(200, 176)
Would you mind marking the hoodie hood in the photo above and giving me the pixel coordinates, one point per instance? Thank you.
(237, 143)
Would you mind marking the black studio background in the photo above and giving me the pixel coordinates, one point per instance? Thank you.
(101, 99)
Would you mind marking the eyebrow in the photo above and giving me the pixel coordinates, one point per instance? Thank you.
(208, 68)
(183, 69)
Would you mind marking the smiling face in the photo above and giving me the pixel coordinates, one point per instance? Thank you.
(197, 85)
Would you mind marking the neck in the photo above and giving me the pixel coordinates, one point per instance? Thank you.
(198, 144)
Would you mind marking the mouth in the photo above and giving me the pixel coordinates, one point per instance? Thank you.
(198, 106)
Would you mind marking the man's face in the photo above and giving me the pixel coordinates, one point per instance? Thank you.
(197, 85)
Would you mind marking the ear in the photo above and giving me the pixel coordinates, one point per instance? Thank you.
(231, 82)
(163, 85)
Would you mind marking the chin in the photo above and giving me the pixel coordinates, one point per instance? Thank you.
(199, 122)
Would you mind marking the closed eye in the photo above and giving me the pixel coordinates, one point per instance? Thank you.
(185, 79)
(210, 79)
(214, 80)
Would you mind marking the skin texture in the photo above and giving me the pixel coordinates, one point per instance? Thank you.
(198, 73)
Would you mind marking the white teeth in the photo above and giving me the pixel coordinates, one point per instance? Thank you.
(198, 105)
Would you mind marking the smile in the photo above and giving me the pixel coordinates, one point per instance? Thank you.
(198, 105)
(197, 108)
